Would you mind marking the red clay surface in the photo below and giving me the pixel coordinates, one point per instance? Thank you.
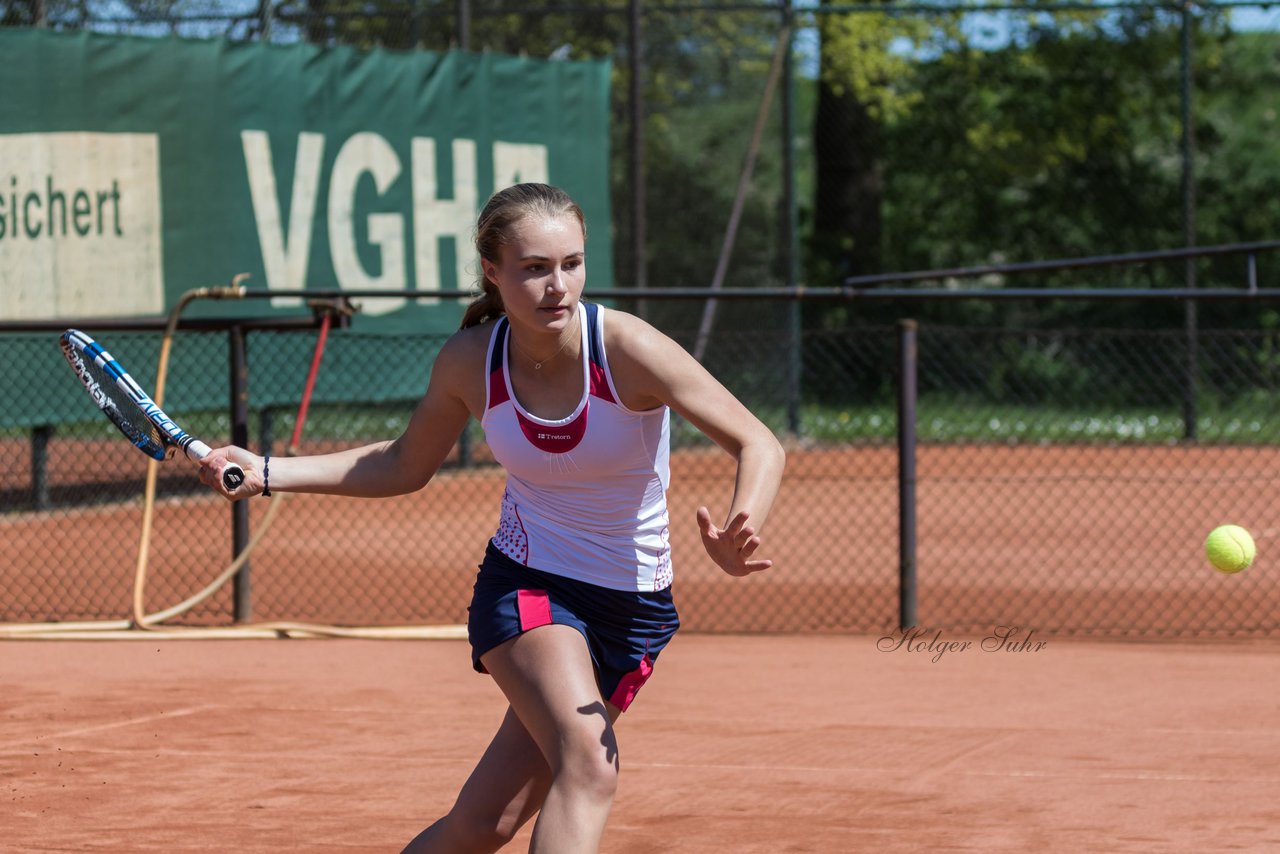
(737, 745)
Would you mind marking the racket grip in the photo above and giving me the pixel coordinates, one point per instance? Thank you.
(232, 473)
(232, 476)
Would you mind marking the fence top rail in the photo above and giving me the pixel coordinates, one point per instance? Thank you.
(158, 324)
(276, 323)
(1127, 259)
(855, 288)
(1034, 294)
(480, 9)
(802, 292)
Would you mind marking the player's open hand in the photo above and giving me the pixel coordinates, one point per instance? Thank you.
(731, 547)
(211, 472)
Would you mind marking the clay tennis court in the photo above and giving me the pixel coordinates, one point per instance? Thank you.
(738, 744)
(792, 716)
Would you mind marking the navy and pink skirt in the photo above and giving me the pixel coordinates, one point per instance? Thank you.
(625, 630)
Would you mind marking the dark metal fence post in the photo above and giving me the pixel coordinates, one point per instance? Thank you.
(266, 19)
(242, 590)
(267, 430)
(790, 249)
(40, 437)
(464, 447)
(464, 25)
(906, 474)
(638, 201)
(415, 25)
(1191, 309)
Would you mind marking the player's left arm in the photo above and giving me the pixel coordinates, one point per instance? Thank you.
(650, 370)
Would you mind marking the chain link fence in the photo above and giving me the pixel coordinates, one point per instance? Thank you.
(1068, 469)
(1057, 488)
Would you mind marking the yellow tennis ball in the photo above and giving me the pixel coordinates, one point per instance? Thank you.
(1229, 548)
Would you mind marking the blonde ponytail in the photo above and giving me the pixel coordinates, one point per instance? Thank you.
(488, 306)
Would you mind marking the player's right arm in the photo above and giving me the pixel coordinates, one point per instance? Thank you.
(392, 467)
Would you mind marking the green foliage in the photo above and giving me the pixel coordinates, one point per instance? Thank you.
(1066, 142)
(1264, 354)
(871, 58)
(19, 13)
(1239, 165)
(1064, 147)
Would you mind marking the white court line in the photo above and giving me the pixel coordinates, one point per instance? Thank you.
(174, 713)
(1158, 776)
(1031, 730)
(713, 767)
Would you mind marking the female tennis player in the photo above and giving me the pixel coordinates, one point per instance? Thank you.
(572, 604)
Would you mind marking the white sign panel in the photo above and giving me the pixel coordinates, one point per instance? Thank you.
(80, 226)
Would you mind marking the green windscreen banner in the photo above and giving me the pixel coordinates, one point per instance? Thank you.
(133, 170)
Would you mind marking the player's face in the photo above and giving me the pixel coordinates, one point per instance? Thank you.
(542, 270)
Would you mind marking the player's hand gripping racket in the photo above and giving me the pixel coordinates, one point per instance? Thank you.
(130, 408)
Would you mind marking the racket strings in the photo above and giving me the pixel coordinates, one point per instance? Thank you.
(123, 412)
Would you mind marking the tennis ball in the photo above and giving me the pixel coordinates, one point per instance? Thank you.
(1229, 548)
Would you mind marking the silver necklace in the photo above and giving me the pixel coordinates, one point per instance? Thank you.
(537, 365)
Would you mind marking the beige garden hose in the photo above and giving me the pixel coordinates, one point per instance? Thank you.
(141, 619)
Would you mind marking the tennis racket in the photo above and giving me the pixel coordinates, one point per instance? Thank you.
(130, 408)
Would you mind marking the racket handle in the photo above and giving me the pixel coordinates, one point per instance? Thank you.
(232, 476)
(232, 473)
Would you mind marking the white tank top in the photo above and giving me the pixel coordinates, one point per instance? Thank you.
(586, 495)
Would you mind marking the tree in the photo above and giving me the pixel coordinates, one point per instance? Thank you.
(1060, 141)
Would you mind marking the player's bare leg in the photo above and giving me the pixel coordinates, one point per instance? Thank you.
(513, 778)
(549, 679)
(503, 792)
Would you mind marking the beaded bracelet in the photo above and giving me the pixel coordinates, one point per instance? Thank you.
(266, 475)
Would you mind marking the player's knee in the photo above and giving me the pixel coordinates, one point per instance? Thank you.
(592, 774)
